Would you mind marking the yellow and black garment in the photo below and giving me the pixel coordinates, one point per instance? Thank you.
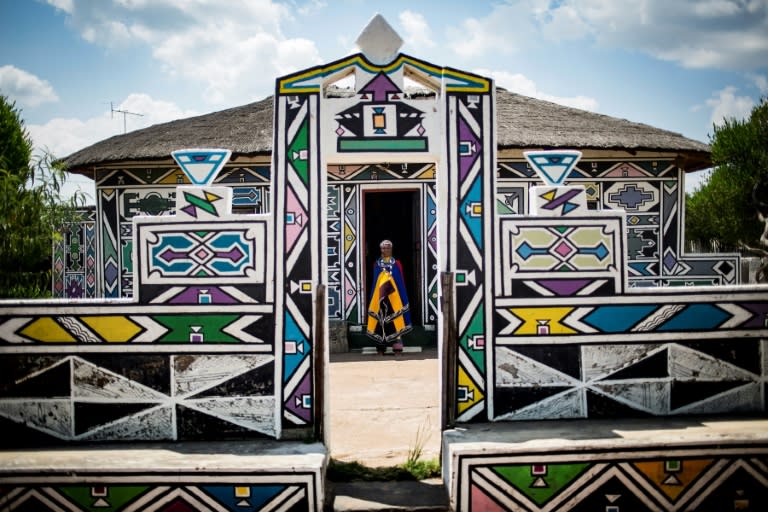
(388, 313)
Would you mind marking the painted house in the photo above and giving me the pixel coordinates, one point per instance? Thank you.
(625, 165)
(550, 238)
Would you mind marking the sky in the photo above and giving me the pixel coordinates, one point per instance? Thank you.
(72, 65)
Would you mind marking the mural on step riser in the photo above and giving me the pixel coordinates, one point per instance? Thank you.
(125, 193)
(157, 492)
(649, 192)
(693, 478)
(573, 340)
(74, 259)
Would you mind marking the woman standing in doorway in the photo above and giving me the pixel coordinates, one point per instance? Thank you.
(388, 314)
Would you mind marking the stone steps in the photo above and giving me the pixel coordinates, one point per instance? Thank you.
(424, 496)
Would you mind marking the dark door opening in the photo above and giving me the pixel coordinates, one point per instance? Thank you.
(395, 216)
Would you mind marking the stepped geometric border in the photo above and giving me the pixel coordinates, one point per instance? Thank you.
(663, 314)
(299, 490)
(712, 477)
(97, 326)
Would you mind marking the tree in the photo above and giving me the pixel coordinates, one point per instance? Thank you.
(731, 207)
(31, 209)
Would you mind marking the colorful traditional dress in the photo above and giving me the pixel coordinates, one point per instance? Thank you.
(388, 314)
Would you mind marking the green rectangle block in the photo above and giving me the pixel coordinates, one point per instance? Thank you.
(382, 144)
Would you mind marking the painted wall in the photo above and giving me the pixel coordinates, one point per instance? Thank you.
(574, 339)
(649, 190)
(128, 192)
(347, 185)
(75, 271)
(698, 476)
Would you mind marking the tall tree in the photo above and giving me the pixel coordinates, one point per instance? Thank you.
(32, 209)
(731, 207)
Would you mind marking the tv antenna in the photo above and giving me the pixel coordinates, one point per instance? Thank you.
(124, 112)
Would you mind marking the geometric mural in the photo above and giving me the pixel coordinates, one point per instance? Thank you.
(693, 477)
(380, 122)
(629, 380)
(164, 492)
(648, 191)
(74, 258)
(574, 256)
(125, 193)
(344, 240)
(142, 397)
(572, 340)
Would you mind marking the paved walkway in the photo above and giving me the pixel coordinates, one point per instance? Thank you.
(383, 407)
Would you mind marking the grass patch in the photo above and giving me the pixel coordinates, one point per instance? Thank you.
(355, 472)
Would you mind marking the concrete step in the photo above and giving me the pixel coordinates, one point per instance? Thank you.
(184, 476)
(424, 496)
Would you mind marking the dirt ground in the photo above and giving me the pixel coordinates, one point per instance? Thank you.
(381, 407)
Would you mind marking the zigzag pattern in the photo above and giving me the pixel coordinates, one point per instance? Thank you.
(643, 379)
(470, 242)
(298, 225)
(141, 496)
(145, 397)
(170, 324)
(587, 482)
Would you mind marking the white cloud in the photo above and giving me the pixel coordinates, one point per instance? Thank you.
(64, 136)
(417, 32)
(515, 82)
(727, 105)
(760, 81)
(694, 180)
(510, 26)
(25, 88)
(721, 34)
(64, 5)
(235, 48)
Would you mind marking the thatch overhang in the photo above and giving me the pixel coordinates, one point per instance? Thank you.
(528, 123)
(523, 123)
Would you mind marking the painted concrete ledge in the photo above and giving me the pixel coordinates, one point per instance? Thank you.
(203, 475)
(659, 463)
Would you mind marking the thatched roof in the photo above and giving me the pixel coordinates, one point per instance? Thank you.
(246, 130)
(523, 122)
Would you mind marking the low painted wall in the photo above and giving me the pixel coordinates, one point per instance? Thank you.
(120, 371)
(191, 357)
(655, 353)
(612, 466)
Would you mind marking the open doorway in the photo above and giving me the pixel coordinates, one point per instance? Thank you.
(381, 408)
(395, 215)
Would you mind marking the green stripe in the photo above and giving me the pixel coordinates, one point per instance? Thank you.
(372, 144)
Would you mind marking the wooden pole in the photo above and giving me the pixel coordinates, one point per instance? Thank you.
(320, 373)
(449, 352)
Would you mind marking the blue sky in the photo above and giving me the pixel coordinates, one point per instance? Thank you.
(680, 65)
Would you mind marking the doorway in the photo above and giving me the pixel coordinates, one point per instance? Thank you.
(395, 215)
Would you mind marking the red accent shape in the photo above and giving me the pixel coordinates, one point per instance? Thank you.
(481, 501)
(178, 505)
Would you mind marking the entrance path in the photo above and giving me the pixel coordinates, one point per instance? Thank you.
(379, 405)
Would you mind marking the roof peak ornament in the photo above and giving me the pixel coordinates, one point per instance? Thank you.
(378, 41)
